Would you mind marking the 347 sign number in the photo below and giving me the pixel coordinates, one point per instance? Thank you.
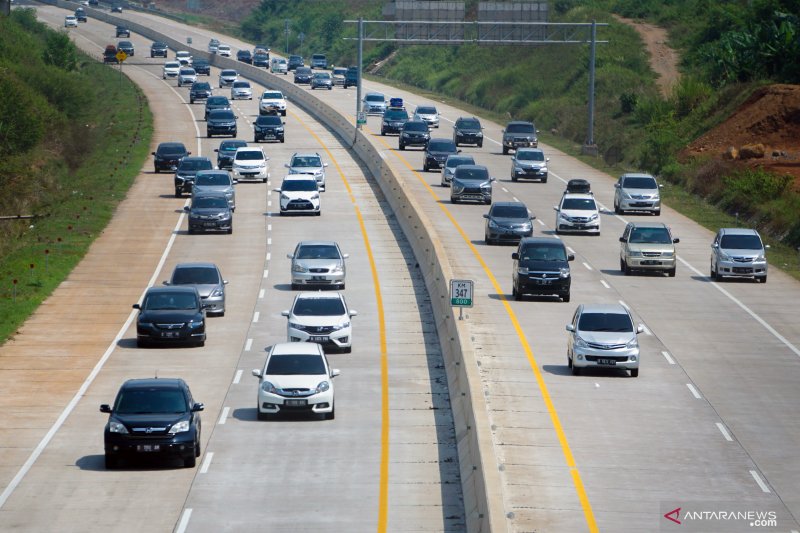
(461, 292)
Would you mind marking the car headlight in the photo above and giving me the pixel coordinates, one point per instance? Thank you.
(279, 130)
(117, 427)
(323, 386)
(180, 427)
(580, 343)
(593, 217)
(486, 185)
(145, 324)
(458, 188)
(564, 272)
(295, 325)
(493, 224)
(761, 258)
(266, 386)
(479, 134)
(543, 168)
(522, 270)
(724, 256)
(216, 292)
(315, 197)
(341, 326)
(284, 197)
(299, 268)
(337, 269)
(195, 324)
(564, 217)
(633, 343)
(633, 253)
(667, 254)
(626, 196)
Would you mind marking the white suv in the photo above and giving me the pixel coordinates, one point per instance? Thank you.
(250, 164)
(272, 102)
(171, 69)
(308, 163)
(637, 192)
(321, 317)
(603, 336)
(577, 212)
(296, 377)
(299, 194)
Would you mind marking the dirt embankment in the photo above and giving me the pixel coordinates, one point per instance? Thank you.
(663, 58)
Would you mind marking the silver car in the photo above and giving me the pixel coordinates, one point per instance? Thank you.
(227, 77)
(740, 253)
(186, 76)
(241, 90)
(208, 280)
(637, 192)
(529, 163)
(450, 164)
(374, 104)
(603, 336)
(427, 114)
(318, 264)
(308, 163)
(218, 181)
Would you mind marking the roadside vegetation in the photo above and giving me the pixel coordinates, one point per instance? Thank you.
(73, 136)
(728, 50)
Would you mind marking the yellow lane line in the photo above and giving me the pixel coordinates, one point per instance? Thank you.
(559, 429)
(383, 496)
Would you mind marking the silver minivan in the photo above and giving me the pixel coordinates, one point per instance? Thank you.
(603, 336)
(637, 192)
(740, 253)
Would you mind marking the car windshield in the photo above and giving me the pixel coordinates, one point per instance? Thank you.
(210, 202)
(543, 252)
(322, 75)
(640, 183)
(195, 164)
(231, 146)
(200, 63)
(166, 301)
(249, 155)
(218, 100)
(228, 73)
(306, 161)
(303, 70)
(510, 211)
(524, 155)
(441, 146)
(395, 114)
(272, 96)
(187, 72)
(241, 84)
(299, 185)
(580, 204)
(294, 365)
(339, 71)
(158, 45)
(171, 149)
(201, 86)
(375, 98)
(192, 275)
(605, 322)
(426, 110)
(318, 307)
(520, 128)
(150, 401)
(453, 162)
(268, 120)
(172, 65)
(216, 179)
(650, 235)
(741, 242)
(317, 251)
(469, 124)
(480, 174)
(317, 56)
(221, 114)
(415, 126)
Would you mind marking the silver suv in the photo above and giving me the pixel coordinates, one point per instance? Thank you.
(637, 192)
(308, 163)
(603, 336)
(647, 246)
(738, 252)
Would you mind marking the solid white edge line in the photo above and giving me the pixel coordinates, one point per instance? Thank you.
(724, 431)
(606, 285)
(669, 359)
(207, 460)
(224, 416)
(587, 266)
(255, 316)
(12, 486)
(238, 377)
(184, 523)
(694, 391)
(760, 482)
(269, 227)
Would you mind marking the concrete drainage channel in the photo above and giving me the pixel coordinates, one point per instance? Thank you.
(480, 479)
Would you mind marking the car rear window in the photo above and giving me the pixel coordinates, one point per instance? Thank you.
(605, 322)
(192, 275)
(318, 307)
(640, 183)
(150, 401)
(290, 365)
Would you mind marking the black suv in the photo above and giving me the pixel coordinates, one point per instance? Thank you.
(414, 133)
(468, 130)
(123, 31)
(303, 75)
(245, 56)
(201, 66)
(351, 77)
(268, 128)
(436, 153)
(127, 47)
(158, 49)
(541, 266)
(215, 103)
(173, 315)
(393, 120)
(294, 62)
(80, 14)
(187, 170)
(168, 155)
(221, 122)
(153, 418)
(260, 60)
(226, 151)
(200, 90)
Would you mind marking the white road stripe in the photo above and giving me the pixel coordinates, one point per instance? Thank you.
(261, 294)
(504, 189)
(224, 416)
(269, 227)
(694, 391)
(570, 250)
(606, 285)
(587, 266)
(266, 273)
(760, 482)
(207, 461)
(269, 203)
(269, 256)
(247, 346)
(540, 222)
(255, 316)
(515, 198)
(184, 523)
(669, 359)
(646, 330)
(269, 241)
(724, 431)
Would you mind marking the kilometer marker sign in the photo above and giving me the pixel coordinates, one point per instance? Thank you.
(461, 291)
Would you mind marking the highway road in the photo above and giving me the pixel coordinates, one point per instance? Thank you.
(707, 426)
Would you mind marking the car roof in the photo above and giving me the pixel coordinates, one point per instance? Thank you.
(196, 264)
(296, 348)
(579, 195)
(148, 383)
(636, 175)
(170, 144)
(318, 295)
(509, 204)
(317, 243)
(648, 225)
(249, 149)
(739, 231)
(616, 309)
(171, 289)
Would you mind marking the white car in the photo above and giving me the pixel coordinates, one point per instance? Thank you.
(241, 90)
(70, 21)
(296, 377)
(186, 76)
(250, 164)
(224, 50)
(171, 69)
(308, 163)
(577, 212)
(227, 77)
(428, 114)
(299, 194)
(272, 102)
(184, 57)
(278, 66)
(321, 317)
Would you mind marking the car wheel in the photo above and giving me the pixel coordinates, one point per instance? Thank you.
(480, 145)
(255, 139)
(318, 213)
(282, 140)
(515, 293)
(230, 230)
(341, 287)
(657, 212)
(634, 372)
(402, 146)
(189, 462)
(617, 210)
(208, 134)
(425, 168)
(111, 462)
(331, 415)
(191, 101)
(505, 150)
(488, 202)
(544, 180)
(453, 200)
(155, 169)
(295, 286)
(575, 370)
(487, 240)
(263, 416)
(671, 272)
(569, 361)
(513, 178)
(177, 193)
(565, 298)
(763, 279)
(347, 349)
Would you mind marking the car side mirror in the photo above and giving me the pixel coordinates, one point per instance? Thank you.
(571, 257)
(105, 408)
(714, 245)
(622, 239)
(353, 312)
(639, 329)
(216, 149)
(235, 180)
(766, 246)
(289, 256)
(153, 153)
(136, 306)
(276, 190)
(570, 327)
(256, 372)
(335, 372)
(502, 131)
(676, 241)
(555, 208)
(345, 255)
(198, 407)
(546, 159)
(285, 313)
(458, 151)
(186, 208)
(165, 282)
(660, 185)
(224, 281)
(324, 164)
(616, 185)
(188, 153)
(486, 215)
(533, 217)
(515, 256)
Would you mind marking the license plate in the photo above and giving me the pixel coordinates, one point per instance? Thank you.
(318, 338)
(611, 362)
(209, 224)
(269, 136)
(170, 334)
(651, 262)
(317, 278)
(543, 281)
(148, 447)
(296, 403)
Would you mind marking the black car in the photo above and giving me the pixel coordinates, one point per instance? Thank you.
(168, 155)
(201, 66)
(210, 212)
(186, 171)
(245, 56)
(294, 62)
(126, 46)
(471, 183)
(215, 103)
(268, 128)
(80, 14)
(158, 49)
(507, 222)
(171, 315)
(221, 122)
(468, 130)
(123, 31)
(116, 9)
(303, 75)
(351, 77)
(153, 418)
(541, 266)
(393, 120)
(226, 151)
(436, 153)
(260, 60)
(200, 90)
(414, 133)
